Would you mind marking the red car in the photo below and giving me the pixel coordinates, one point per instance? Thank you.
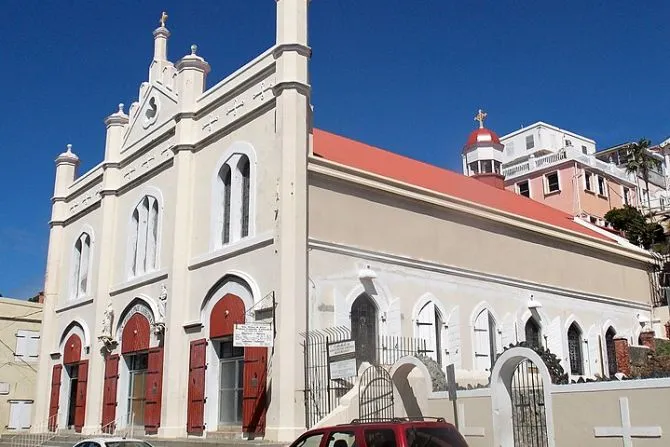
(395, 432)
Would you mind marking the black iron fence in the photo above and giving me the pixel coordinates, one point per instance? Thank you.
(323, 393)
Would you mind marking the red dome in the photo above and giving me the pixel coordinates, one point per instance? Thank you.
(482, 135)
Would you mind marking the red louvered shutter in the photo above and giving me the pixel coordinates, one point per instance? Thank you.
(80, 402)
(109, 393)
(153, 391)
(55, 396)
(254, 392)
(195, 423)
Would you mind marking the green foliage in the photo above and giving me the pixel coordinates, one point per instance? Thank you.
(635, 227)
(640, 162)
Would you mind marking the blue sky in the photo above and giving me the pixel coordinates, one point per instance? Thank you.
(405, 75)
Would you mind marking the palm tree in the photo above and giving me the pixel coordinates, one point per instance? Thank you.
(640, 162)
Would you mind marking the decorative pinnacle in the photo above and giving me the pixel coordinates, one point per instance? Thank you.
(163, 19)
(194, 48)
(69, 148)
(120, 108)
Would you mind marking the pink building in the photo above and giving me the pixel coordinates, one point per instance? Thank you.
(549, 168)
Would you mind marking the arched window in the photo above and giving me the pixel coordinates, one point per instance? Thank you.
(533, 333)
(575, 349)
(233, 200)
(144, 237)
(225, 183)
(611, 352)
(430, 325)
(485, 341)
(364, 329)
(245, 173)
(81, 262)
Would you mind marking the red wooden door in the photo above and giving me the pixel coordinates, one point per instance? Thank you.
(254, 392)
(153, 391)
(55, 396)
(109, 393)
(195, 413)
(80, 402)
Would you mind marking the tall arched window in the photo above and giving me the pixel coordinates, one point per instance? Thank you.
(144, 237)
(611, 352)
(533, 333)
(575, 349)
(81, 262)
(430, 325)
(225, 184)
(364, 329)
(233, 200)
(485, 341)
(245, 173)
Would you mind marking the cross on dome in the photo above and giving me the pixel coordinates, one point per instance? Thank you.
(481, 116)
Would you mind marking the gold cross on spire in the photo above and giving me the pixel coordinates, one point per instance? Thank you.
(164, 18)
(481, 116)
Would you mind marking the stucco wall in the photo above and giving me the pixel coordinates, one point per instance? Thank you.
(363, 218)
(21, 376)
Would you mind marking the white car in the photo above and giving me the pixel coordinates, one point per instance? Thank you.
(112, 442)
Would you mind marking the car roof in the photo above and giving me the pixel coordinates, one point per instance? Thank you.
(101, 440)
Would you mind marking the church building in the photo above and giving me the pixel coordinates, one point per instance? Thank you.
(216, 208)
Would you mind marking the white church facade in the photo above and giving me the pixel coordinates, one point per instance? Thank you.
(220, 206)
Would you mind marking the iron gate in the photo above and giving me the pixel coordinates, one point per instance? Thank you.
(375, 394)
(528, 411)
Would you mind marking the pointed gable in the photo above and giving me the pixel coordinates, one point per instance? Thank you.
(157, 106)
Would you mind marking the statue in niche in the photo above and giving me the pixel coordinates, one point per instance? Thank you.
(159, 326)
(107, 317)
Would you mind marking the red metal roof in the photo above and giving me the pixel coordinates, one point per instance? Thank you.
(388, 164)
(482, 135)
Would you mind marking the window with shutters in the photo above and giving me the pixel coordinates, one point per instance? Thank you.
(551, 183)
(430, 327)
(575, 349)
(485, 340)
(533, 334)
(233, 200)
(27, 346)
(144, 229)
(19, 414)
(81, 262)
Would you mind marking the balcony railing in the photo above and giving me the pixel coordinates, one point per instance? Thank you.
(565, 154)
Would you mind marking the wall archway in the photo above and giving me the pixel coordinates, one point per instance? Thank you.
(77, 326)
(501, 393)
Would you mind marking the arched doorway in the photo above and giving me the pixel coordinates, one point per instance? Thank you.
(69, 380)
(522, 412)
(364, 329)
(234, 382)
(134, 379)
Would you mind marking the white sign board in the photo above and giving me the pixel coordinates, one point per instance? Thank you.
(249, 335)
(342, 348)
(343, 369)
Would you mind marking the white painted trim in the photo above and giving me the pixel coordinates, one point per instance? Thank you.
(501, 378)
(73, 287)
(405, 261)
(232, 157)
(140, 194)
(614, 385)
(75, 326)
(245, 245)
(138, 281)
(421, 303)
(147, 302)
(74, 304)
(483, 306)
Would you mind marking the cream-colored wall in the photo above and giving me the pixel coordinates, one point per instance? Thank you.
(16, 315)
(208, 160)
(366, 219)
(401, 286)
(577, 413)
